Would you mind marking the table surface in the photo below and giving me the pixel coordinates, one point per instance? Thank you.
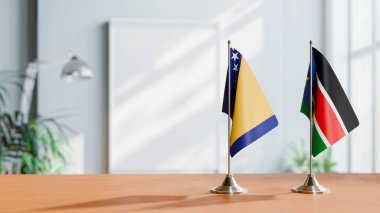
(185, 193)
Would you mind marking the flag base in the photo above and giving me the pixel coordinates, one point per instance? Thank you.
(311, 186)
(229, 186)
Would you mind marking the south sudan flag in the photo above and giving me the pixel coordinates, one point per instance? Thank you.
(333, 116)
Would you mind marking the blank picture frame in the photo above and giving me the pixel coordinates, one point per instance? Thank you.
(163, 97)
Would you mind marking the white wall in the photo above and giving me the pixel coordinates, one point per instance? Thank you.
(273, 35)
(13, 41)
(352, 49)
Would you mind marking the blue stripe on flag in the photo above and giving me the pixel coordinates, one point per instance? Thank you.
(253, 134)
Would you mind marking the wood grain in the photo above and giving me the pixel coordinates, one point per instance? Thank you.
(185, 193)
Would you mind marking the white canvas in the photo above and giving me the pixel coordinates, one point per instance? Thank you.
(163, 97)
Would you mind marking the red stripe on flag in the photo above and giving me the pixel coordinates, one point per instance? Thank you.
(326, 118)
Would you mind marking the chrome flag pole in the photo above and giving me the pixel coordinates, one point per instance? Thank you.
(311, 185)
(229, 185)
(229, 108)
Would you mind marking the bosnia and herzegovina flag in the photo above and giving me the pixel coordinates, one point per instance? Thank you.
(251, 114)
(333, 116)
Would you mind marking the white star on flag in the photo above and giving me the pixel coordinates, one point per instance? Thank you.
(235, 67)
(236, 70)
(235, 56)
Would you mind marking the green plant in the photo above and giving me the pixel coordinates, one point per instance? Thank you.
(298, 160)
(29, 147)
(34, 147)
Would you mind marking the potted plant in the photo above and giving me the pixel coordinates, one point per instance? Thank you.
(33, 146)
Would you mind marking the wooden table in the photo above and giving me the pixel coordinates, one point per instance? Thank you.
(185, 193)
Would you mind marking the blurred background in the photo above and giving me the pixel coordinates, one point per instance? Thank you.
(154, 79)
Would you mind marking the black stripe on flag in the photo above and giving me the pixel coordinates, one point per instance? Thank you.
(333, 88)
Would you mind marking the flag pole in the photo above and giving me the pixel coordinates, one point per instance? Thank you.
(229, 185)
(311, 110)
(311, 185)
(229, 108)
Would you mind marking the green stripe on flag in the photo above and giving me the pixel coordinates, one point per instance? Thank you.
(305, 110)
(318, 144)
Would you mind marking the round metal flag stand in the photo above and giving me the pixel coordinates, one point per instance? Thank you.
(311, 185)
(229, 185)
